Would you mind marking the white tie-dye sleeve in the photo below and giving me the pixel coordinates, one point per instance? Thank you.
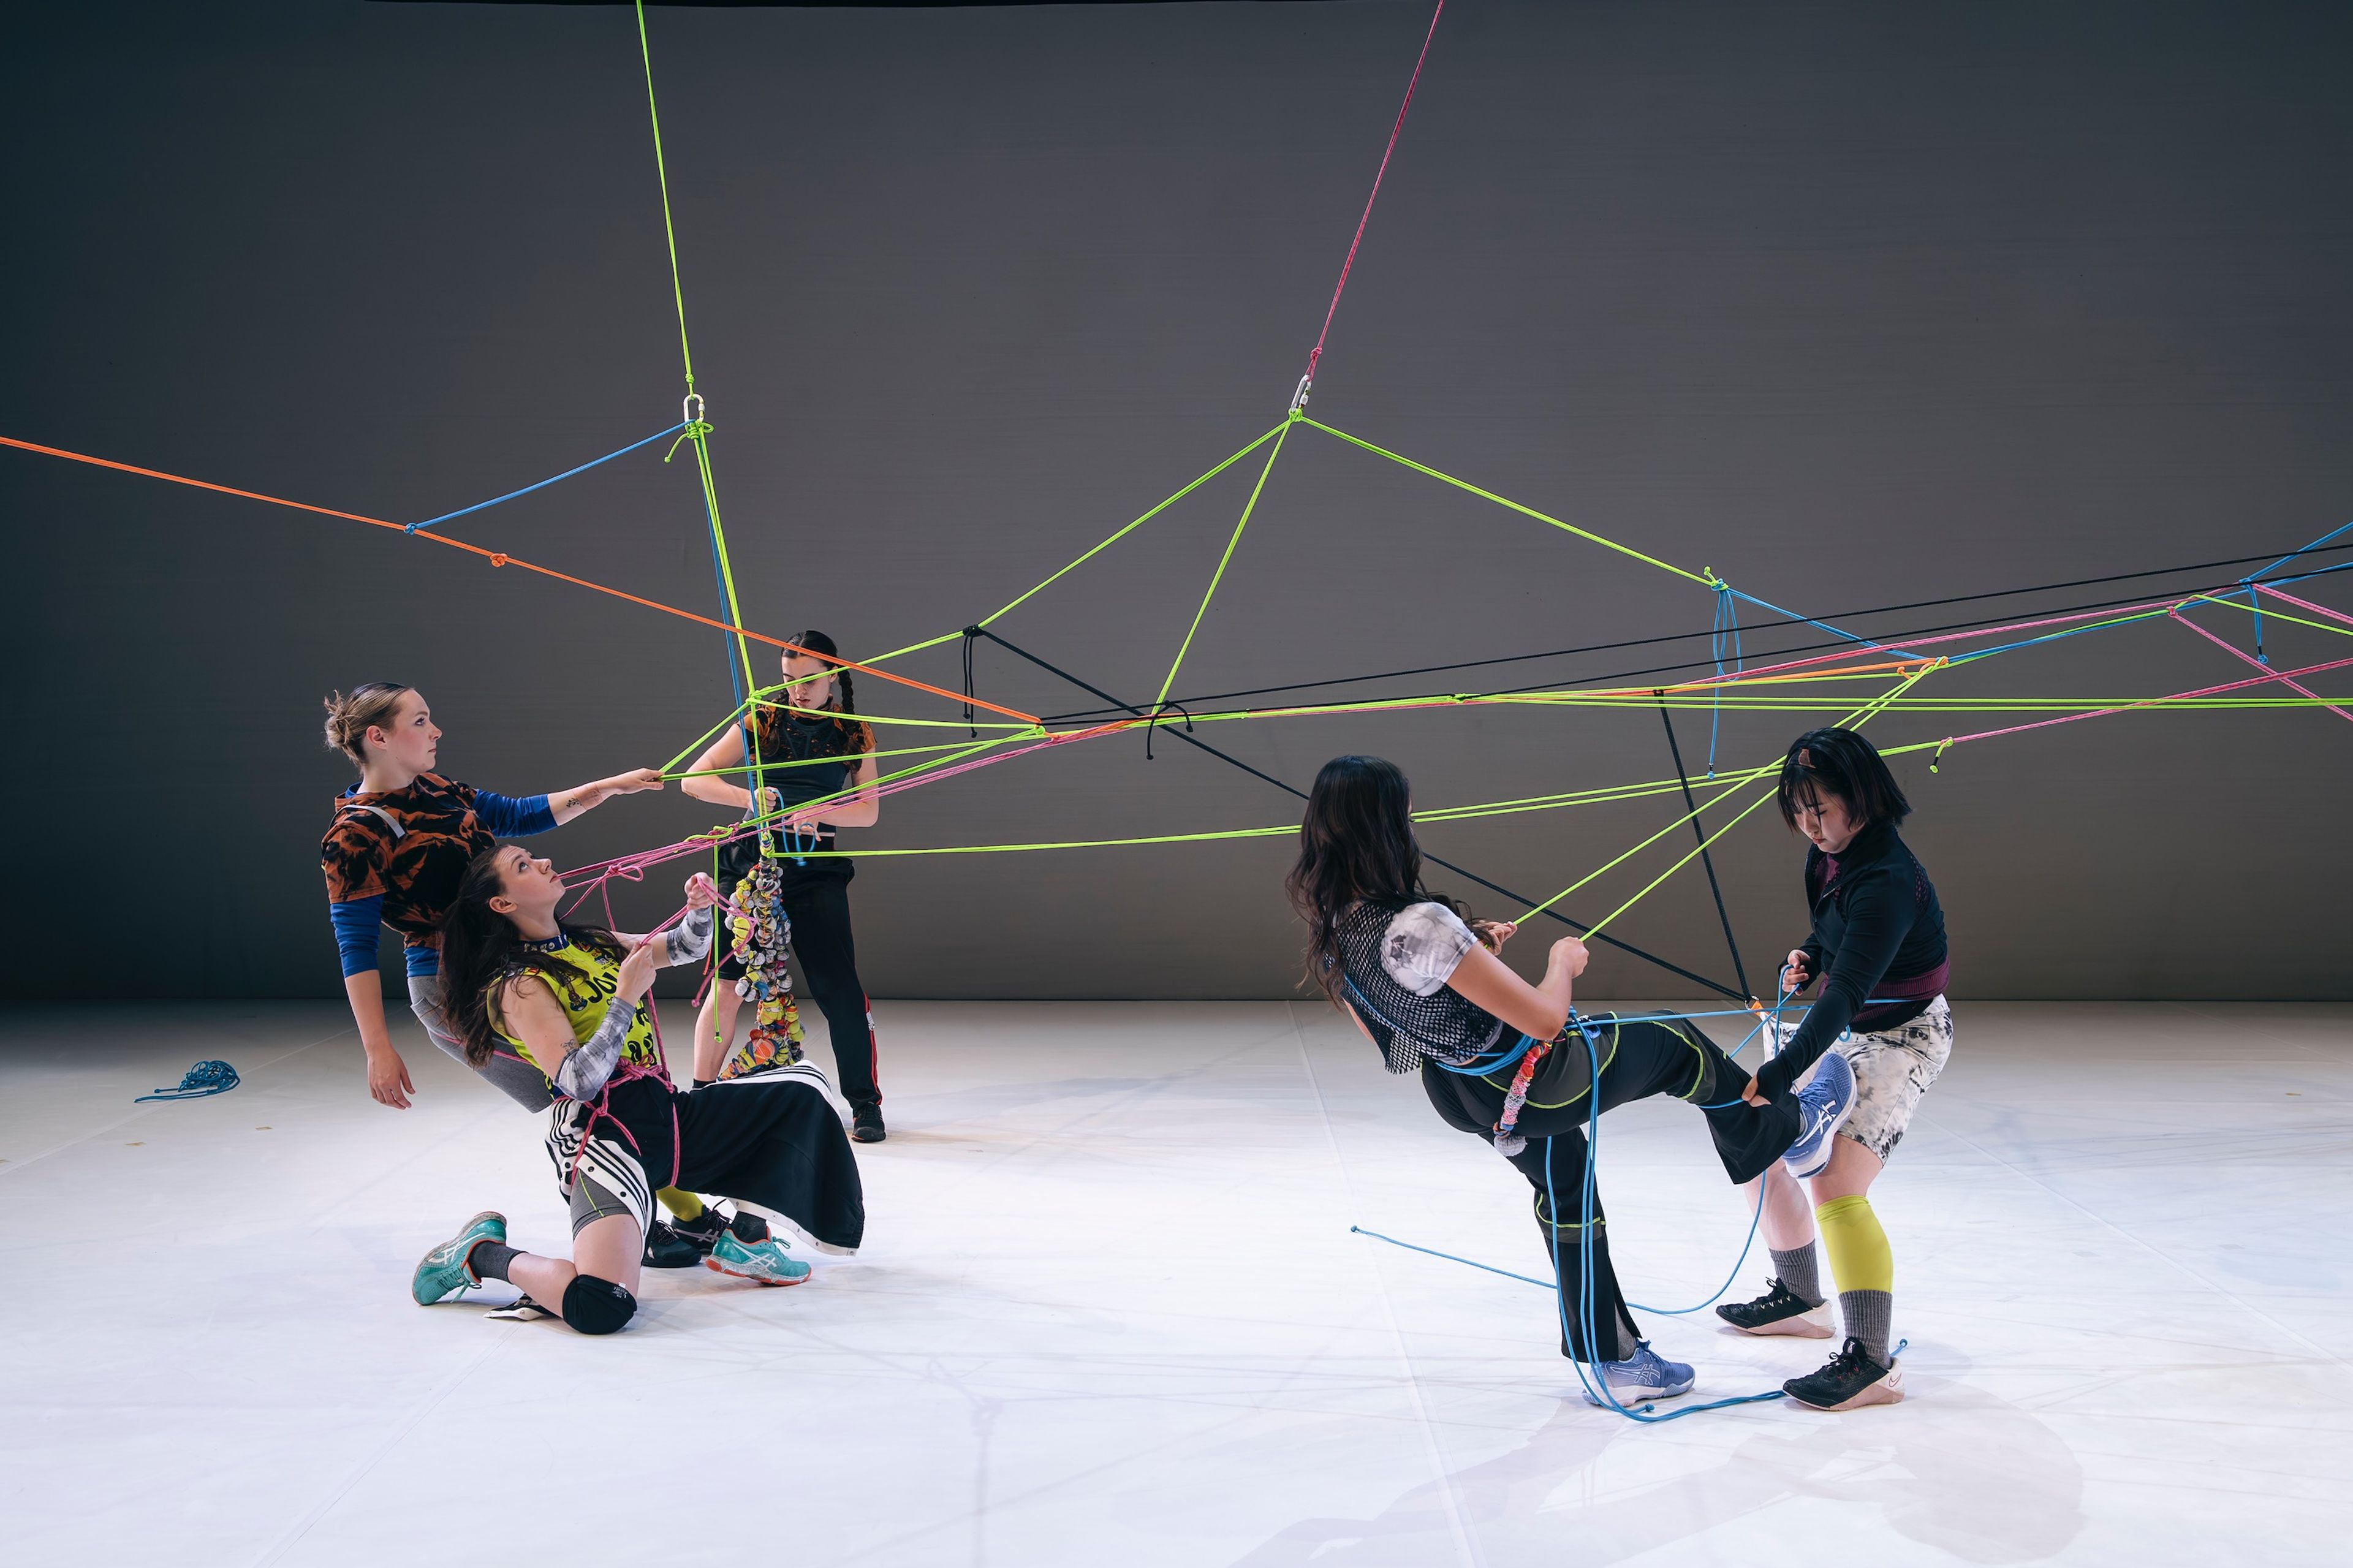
(1423, 944)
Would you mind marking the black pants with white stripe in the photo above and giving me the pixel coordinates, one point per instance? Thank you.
(1639, 1057)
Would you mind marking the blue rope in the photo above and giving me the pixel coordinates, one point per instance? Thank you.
(1646, 1412)
(1825, 626)
(542, 484)
(734, 666)
(204, 1077)
(1585, 1233)
(1727, 617)
(2294, 553)
(2316, 571)
(1958, 660)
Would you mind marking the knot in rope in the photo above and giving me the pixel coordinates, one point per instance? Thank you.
(694, 430)
(497, 559)
(204, 1077)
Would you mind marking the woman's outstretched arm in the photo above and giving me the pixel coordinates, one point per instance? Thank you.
(1538, 1011)
(724, 752)
(564, 805)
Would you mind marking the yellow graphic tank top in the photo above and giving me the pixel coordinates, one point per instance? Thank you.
(583, 984)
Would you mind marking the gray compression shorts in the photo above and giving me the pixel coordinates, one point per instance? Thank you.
(509, 1074)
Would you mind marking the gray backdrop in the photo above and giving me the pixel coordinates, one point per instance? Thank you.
(1856, 304)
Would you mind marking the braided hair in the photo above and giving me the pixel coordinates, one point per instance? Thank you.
(851, 735)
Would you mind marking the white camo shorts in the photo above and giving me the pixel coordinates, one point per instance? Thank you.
(1892, 1068)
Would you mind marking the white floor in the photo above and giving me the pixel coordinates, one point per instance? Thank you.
(1111, 1312)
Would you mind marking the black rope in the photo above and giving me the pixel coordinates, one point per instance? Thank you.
(1739, 969)
(1154, 724)
(971, 635)
(1886, 639)
(1759, 627)
(1196, 741)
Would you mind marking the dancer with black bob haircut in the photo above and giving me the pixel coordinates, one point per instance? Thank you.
(1878, 949)
(569, 1002)
(1512, 1062)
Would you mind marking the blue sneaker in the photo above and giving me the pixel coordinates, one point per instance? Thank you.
(443, 1272)
(1823, 1105)
(1644, 1375)
(764, 1261)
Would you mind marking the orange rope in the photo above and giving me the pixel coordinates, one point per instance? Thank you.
(497, 558)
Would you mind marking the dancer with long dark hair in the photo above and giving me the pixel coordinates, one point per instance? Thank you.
(1512, 1062)
(568, 1002)
(811, 747)
(1878, 948)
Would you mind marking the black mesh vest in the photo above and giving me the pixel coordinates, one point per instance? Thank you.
(1445, 1025)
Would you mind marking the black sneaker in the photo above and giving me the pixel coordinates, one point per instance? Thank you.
(703, 1230)
(665, 1248)
(866, 1124)
(1780, 1311)
(1851, 1381)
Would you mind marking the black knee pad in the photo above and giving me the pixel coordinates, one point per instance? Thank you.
(596, 1306)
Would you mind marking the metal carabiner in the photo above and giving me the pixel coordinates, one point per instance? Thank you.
(1299, 398)
(690, 409)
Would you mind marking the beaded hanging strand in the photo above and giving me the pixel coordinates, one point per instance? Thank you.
(762, 934)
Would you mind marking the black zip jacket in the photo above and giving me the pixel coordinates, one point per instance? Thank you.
(1878, 933)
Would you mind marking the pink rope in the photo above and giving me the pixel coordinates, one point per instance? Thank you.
(2306, 604)
(633, 867)
(1395, 131)
(2146, 703)
(1867, 644)
(2245, 657)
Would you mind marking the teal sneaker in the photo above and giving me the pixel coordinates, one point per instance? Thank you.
(765, 1261)
(443, 1272)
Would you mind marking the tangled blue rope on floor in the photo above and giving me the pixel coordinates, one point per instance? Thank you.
(204, 1077)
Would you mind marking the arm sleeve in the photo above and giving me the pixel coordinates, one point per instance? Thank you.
(1878, 917)
(582, 1074)
(356, 923)
(510, 818)
(688, 941)
(1813, 948)
(1423, 945)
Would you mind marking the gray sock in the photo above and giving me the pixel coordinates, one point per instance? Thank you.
(1797, 1270)
(1868, 1316)
(488, 1259)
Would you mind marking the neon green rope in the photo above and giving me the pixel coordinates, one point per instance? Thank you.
(653, 112)
(1281, 434)
(1196, 484)
(1855, 720)
(1508, 504)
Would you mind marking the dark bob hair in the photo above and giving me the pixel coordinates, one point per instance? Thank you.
(1842, 764)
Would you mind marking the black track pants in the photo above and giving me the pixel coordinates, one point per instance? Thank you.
(1639, 1057)
(818, 907)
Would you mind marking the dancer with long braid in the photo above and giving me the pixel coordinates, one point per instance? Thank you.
(812, 747)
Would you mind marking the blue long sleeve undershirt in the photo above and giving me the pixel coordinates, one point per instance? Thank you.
(513, 817)
(357, 924)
